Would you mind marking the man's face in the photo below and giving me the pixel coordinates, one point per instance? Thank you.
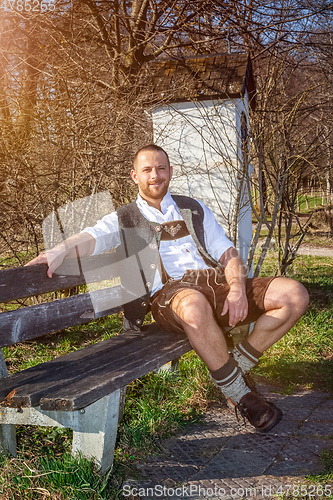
(152, 174)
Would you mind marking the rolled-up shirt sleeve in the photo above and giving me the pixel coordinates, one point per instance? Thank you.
(105, 232)
(215, 238)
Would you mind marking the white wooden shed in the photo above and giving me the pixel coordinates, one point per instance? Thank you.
(202, 124)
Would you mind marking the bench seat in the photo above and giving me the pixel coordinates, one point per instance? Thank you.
(78, 379)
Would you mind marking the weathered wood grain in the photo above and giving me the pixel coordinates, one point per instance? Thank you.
(77, 379)
(100, 382)
(56, 366)
(31, 322)
(27, 281)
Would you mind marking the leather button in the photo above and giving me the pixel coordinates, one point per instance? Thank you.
(138, 322)
(152, 266)
(153, 246)
(144, 304)
(158, 229)
(148, 284)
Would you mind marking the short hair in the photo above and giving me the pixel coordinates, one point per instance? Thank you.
(150, 147)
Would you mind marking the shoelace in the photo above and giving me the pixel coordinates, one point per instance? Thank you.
(242, 412)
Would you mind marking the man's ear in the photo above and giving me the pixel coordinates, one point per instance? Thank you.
(171, 172)
(134, 176)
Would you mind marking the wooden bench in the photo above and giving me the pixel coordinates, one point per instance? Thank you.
(85, 389)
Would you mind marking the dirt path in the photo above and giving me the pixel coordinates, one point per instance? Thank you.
(316, 251)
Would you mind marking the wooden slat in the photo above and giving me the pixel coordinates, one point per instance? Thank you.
(56, 367)
(80, 383)
(31, 322)
(101, 382)
(27, 281)
(77, 379)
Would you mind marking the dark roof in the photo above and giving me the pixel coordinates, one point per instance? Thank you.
(213, 76)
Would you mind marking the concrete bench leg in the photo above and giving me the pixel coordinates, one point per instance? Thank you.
(95, 430)
(7, 431)
(8, 439)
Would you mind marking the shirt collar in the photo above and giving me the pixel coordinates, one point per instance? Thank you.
(165, 203)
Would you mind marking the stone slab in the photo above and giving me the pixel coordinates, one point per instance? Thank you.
(221, 455)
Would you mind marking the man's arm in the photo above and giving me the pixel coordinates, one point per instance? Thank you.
(235, 273)
(83, 243)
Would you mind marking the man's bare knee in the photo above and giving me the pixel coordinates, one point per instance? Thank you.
(288, 293)
(191, 307)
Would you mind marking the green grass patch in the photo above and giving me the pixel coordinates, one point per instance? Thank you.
(306, 203)
(157, 406)
(311, 239)
(26, 354)
(326, 457)
(303, 357)
(57, 478)
(45, 468)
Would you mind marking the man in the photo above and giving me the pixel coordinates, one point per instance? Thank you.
(201, 283)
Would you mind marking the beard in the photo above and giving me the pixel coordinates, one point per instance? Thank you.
(154, 192)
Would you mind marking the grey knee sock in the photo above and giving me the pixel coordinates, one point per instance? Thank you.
(230, 380)
(246, 356)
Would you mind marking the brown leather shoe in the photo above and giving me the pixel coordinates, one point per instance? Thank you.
(262, 414)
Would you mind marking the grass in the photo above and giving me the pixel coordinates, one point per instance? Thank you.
(326, 475)
(312, 239)
(303, 357)
(306, 203)
(309, 202)
(158, 405)
(50, 477)
(318, 234)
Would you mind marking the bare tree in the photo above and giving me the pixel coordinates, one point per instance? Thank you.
(289, 131)
(75, 84)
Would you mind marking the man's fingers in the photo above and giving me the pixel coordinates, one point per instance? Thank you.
(225, 307)
(40, 259)
(245, 315)
(236, 315)
(50, 272)
(54, 264)
(45, 258)
(232, 319)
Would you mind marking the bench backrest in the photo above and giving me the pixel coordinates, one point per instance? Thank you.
(25, 323)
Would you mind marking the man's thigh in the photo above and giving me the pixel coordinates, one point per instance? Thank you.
(212, 284)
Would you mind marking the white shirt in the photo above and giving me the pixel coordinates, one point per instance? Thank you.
(177, 255)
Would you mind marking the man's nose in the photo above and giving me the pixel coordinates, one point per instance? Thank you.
(154, 173)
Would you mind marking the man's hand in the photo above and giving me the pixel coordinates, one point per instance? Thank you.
(53, 258)
(236, 304)
(78, 245)
(235, 273)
